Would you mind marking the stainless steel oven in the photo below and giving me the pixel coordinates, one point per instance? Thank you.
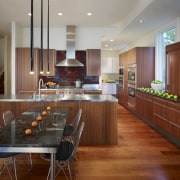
(132, 90)
(132, 74)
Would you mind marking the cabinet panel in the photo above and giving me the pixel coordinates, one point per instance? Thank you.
(93, 62)
(52, 58)
(110, 65)
(172, 68)
(26, 82)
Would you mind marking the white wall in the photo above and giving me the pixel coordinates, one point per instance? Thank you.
(86, 38)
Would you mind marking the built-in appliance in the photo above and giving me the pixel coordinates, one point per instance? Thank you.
(121, 76)
(132, 74)
(132, 90)
(69, 90)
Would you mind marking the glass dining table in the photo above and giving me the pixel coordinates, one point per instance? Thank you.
(37, 130)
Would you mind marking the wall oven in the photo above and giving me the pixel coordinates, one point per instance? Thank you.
(132, 90)
(132, 74)
(121, 76)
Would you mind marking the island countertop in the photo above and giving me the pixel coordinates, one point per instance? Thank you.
(58, 97)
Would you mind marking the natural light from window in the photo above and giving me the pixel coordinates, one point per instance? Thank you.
(165, 38)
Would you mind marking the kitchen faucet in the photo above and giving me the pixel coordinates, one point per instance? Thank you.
(39, 89)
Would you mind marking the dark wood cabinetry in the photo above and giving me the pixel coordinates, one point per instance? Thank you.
(93, 62)
(173, 68)
(122, 94)
(52, 60)
(160, 113)
(144, 58)
(26, 82)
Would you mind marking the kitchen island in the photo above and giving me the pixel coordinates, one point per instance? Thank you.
(99, 112)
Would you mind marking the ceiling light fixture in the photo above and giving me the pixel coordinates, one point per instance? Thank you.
(141, 21)
(60, 14)
(89, 14)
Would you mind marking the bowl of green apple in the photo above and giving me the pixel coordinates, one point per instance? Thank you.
(157, 85)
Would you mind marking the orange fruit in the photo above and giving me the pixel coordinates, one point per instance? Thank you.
(44, 113)
(48, 108)
(39, 118)
(28, 131)
(34, 123)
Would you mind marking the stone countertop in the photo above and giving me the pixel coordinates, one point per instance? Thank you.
(60, 98)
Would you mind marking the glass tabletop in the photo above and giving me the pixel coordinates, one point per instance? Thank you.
(37, 127)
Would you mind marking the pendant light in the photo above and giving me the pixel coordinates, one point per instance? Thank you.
(48, 54)
(32, 41)
(41, 50)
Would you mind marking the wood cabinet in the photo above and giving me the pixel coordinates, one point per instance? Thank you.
(93, 62)
(173, 68)
(92, 91)
(166, 116)
(144, 103)
(122, 94)
(110, 65)
(161, 113)
(144, 58)
(26, 82)
(52, 60)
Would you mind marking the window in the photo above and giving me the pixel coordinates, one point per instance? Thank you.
(164, 38)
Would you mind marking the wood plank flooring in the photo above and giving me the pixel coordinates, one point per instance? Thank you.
(141, 154)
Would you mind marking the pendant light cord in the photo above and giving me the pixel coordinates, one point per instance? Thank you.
(32, 40)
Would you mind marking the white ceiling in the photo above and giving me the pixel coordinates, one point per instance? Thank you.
(121, 15)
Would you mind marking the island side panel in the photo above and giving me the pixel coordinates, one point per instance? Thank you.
(99, 117)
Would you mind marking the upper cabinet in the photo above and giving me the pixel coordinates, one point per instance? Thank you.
(93, 62)
(110, 65)
(172, 68)
(52, 59)
(26, 82)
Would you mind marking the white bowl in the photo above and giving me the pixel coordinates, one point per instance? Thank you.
(158, 87)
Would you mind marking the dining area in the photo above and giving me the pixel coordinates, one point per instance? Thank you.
(39, 130)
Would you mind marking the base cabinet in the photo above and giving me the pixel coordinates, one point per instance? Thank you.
(109, 88)
(164, 114)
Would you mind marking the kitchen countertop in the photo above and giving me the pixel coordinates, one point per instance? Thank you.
(58, 97)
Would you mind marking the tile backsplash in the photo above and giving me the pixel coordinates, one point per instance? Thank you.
(66, 76)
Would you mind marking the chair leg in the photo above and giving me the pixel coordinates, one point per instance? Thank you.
(6, 164)
(15, 172)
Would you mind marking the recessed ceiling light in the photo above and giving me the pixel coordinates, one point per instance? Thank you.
(141, 21)
(106, 45)
(111, 40)
(89, 14)
(60, 14)
(29, 14)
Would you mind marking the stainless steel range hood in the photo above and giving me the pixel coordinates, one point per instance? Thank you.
(70, 60)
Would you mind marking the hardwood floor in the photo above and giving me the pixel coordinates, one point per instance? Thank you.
(141, 154)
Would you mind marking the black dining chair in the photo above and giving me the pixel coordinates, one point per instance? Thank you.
(8, 117)
(65, 152)
(70, 129)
